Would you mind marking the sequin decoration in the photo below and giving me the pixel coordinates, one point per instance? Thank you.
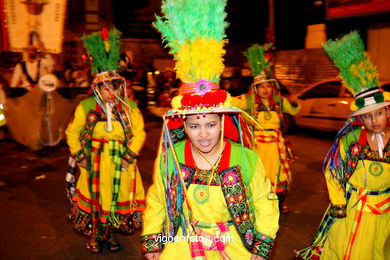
(376, 169)
(201, 194)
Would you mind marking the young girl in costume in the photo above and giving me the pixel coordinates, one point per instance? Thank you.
(105, 137)
(357, 167)
(210, 198)
(265, 103)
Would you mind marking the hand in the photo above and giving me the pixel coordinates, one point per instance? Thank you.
(83, 163)
(70, 189)
(257, 257)
(152, 256)
(125, 164)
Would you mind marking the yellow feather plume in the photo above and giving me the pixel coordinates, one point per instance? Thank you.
(200, 59)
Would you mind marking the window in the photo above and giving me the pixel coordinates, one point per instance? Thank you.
(324, 90)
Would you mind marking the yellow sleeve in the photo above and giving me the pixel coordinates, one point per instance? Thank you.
(74, 129)
(290, 109)
(239, 101)
(138, 131)
(266, 209)
(335, 190)
(154, 214)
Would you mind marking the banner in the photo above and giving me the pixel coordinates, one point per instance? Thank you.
(3, 29)
(44, 17)
(349, 8)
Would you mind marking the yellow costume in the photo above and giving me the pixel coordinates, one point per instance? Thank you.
(232, 215)
(269, 141)
(130, 198)
(356, 224)
(209, 209)
(367, 219)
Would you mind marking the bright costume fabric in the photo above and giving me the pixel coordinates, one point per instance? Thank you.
(356, 224)
(218, 210)
(269, 141)
(364, 231)
(111, 195)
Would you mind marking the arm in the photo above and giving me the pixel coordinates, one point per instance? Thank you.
(266, 212)
(73, 133)
(336, 191)
(290, 108)
(154, 214)
(134, 145)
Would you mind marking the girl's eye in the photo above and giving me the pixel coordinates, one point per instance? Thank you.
(193, 126)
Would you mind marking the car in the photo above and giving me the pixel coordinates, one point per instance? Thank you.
(324, 105)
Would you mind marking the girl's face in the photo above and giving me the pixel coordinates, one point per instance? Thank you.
(264, 90)
(204, 132)
(376, 121)
(108, 92)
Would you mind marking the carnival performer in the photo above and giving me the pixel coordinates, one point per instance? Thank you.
(105, 137)
(210, 198)
(266, 104)
(34, 65)
(356, 223)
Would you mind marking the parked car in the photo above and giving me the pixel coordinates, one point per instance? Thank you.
(324, 105)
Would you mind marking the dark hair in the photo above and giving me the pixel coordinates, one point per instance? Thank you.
(115, 84)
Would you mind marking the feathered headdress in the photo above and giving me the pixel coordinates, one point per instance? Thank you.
(260, 61)
(357, 72)
(103, 49)
(195, 31)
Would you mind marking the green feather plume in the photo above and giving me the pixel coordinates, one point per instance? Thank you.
(258, 62)
(187, 20)
(356, 69)
(103, 60)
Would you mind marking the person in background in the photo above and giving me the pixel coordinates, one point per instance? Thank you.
(105, 137)
(210, 198)
(267, 105)
(27, 72)
(357, 166)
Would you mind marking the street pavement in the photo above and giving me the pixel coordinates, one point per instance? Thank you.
(33, 203)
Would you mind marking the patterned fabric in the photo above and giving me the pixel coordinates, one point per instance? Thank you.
(210, 241)
(236, 200)
(152, 243)
(263, 245)
(338, 211)
(379, 208)
(86, 135)
(82, 223)
(314, 250)
(355, 152)
(129, 156)
(203, 177)
(284, 168)
(271, 107)
(374, 155)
